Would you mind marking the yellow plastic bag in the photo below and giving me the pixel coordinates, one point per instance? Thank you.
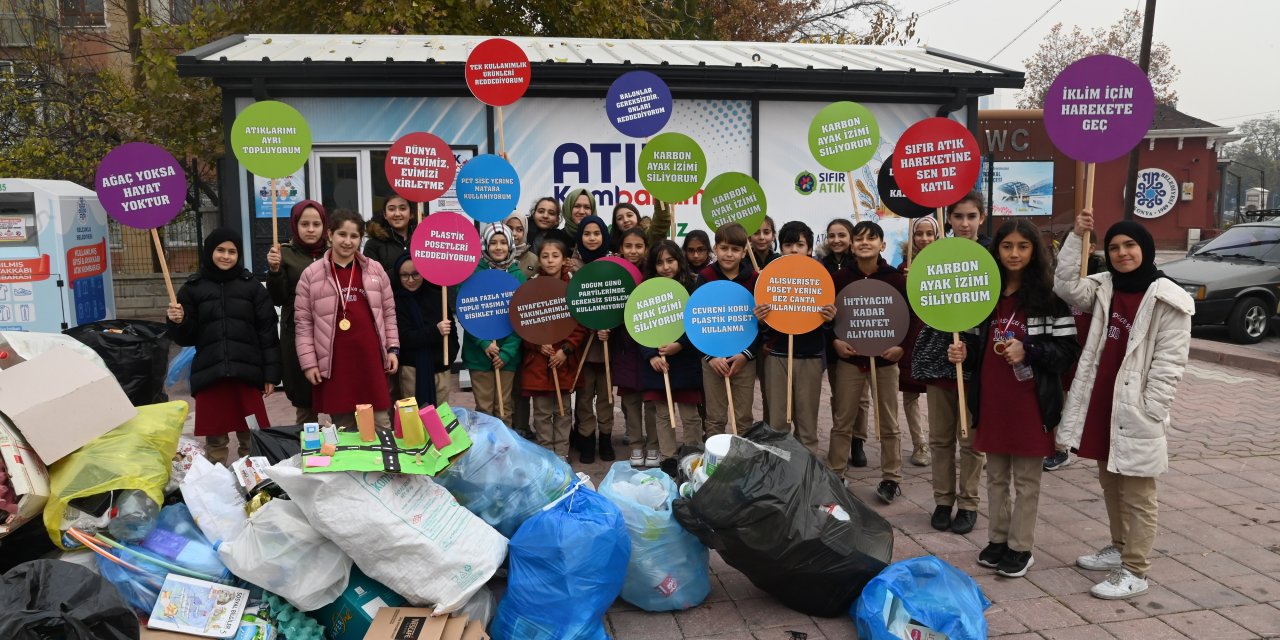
(135, 455)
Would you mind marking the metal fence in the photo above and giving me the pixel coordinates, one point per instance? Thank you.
(133, 250)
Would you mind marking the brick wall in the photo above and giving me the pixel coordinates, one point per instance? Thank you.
(143, 297)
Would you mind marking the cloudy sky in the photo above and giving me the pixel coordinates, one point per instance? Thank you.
(1227, 49)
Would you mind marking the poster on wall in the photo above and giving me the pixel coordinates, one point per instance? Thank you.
(290, 190)
(1018, 188)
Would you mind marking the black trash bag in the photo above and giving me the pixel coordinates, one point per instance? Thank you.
(54, 599)
(138, 356)
(790, 525)
(28, 542)
(277, 443)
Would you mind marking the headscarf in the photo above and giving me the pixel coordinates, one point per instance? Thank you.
(208, 269)
(1139, 279)
(517, 250)
(566, 210)
(591, 255)
(489, 233)
(911, 237)
(313, 250)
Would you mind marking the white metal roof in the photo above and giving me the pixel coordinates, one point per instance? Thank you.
(764, 55)
(55, 188)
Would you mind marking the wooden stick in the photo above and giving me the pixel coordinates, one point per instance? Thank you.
(673, 222)
(444, 306)
(911, 240)
(964, 404)
(942, 227)
(275, 232)
(497, 379)
(791, 347)
(853, 194)
(751, 253)
(164, 265)
(733, 419)
(555, 377)
(1088, 204)
(502, 138)
(418, 206)
(875, 399)
(590, 336)
(608, 377)
(666, 381)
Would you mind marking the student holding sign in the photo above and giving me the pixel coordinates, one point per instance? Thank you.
(764, 243)
(837, 257)
(486, 360)
(285, 265)
(426, 326)
(853, 372)
(807, 352)
(228, 317)
(1118, 409)
(731, 250)
(593, 404)
(390, 233)
(544, 216)
(924, 231)
(1016, 397)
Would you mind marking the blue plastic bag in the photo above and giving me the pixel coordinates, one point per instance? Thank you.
(503, 478)
(926, 590)
(175, 540)
(669, 567)
(567, 564)
(179, 368)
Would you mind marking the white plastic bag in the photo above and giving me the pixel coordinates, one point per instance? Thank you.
(281, 552)
(216, 504)
(404, 531)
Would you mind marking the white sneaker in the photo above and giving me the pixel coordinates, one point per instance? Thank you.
(1105, 559)
(1120, 584)
(637, 458)
(651, 460)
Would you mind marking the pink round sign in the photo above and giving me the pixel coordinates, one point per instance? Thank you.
(445, 248)
(420, 167)
(1099, 108)
(631, 268)
(141, 185)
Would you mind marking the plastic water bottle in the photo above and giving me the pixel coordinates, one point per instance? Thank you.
(135, 516)
(1023, 373)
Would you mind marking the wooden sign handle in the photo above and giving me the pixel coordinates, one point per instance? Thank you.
(555, 377)
(164, 265)
(502, 138)
(1088, 204)
(751, 253)
(733, 419)
(791, 347)
(590, 337)
(497, 379)
(875, 399)
(275, 232)
(964, 404)
(608, 375)
(444, 306)
(666, 381)
(853, 195)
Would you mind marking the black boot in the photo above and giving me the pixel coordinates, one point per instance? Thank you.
(606, 448)
(587, 448)
(857, 457)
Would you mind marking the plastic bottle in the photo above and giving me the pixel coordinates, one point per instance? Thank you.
(1022, 373)
(135, 516)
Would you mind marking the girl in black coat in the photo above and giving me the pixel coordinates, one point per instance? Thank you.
(228, 317)
(423, 329)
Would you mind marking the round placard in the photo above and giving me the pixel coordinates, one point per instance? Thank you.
(936, 162)
(954, 284)
(540, 312)
(141, 185)
(488, 188)
(655, 312)
(636, 277)
(871, 316)
(843, 136)
(1099, 108)
(271, 139)
(420, 167)
(598, 295)
(638, 104)
(672, 167)
(445, 248)
(796, 287)
(734, 197)
(484, 304)
(720, 320)
(497, 72)
(891, 196)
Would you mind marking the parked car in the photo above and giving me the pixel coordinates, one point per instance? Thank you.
(1234, 279)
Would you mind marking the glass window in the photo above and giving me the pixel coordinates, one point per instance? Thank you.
(83, 13)
(1246, 241)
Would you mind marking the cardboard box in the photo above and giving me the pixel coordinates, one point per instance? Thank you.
(28, 474)
(61, 401)
(920, 632)
(348, 617)
(411, 623)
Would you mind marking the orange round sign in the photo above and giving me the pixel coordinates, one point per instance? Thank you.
(796, 287)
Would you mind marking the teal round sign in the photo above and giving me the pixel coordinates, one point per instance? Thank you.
(655, 312)
(843, 136)
(271, 139)
(954, 284)
(734, 197)
(672, 167)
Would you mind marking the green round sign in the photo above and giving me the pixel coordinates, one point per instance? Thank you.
(954, 284)
(655, 312)
(672, 167)
(271, 139)
(734, 197)
(843, 136)
(598, 295)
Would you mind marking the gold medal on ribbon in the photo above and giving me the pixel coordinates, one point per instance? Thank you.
(344, 324)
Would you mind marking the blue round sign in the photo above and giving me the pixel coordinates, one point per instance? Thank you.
(488, 188)
(720, 319)
(484, 303)
(638, 104)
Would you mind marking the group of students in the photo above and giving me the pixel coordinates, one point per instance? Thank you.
(365, 328)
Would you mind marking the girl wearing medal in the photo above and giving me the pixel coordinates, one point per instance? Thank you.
(1016, 397)
(347, 335)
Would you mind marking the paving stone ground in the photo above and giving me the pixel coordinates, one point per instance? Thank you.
(1216, 569)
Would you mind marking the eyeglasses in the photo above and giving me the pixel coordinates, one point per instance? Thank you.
(696, 250)
(410, 276)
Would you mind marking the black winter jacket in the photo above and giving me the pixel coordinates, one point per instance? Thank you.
(232, 325)
(385, 246)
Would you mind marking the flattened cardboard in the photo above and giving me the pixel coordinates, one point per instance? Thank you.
(61, 401)
(417, 623)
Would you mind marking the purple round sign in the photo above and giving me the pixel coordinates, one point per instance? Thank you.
(1099, 108)
(141, 185)
(638, 104)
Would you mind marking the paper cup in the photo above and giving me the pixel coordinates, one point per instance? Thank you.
(717, 448)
